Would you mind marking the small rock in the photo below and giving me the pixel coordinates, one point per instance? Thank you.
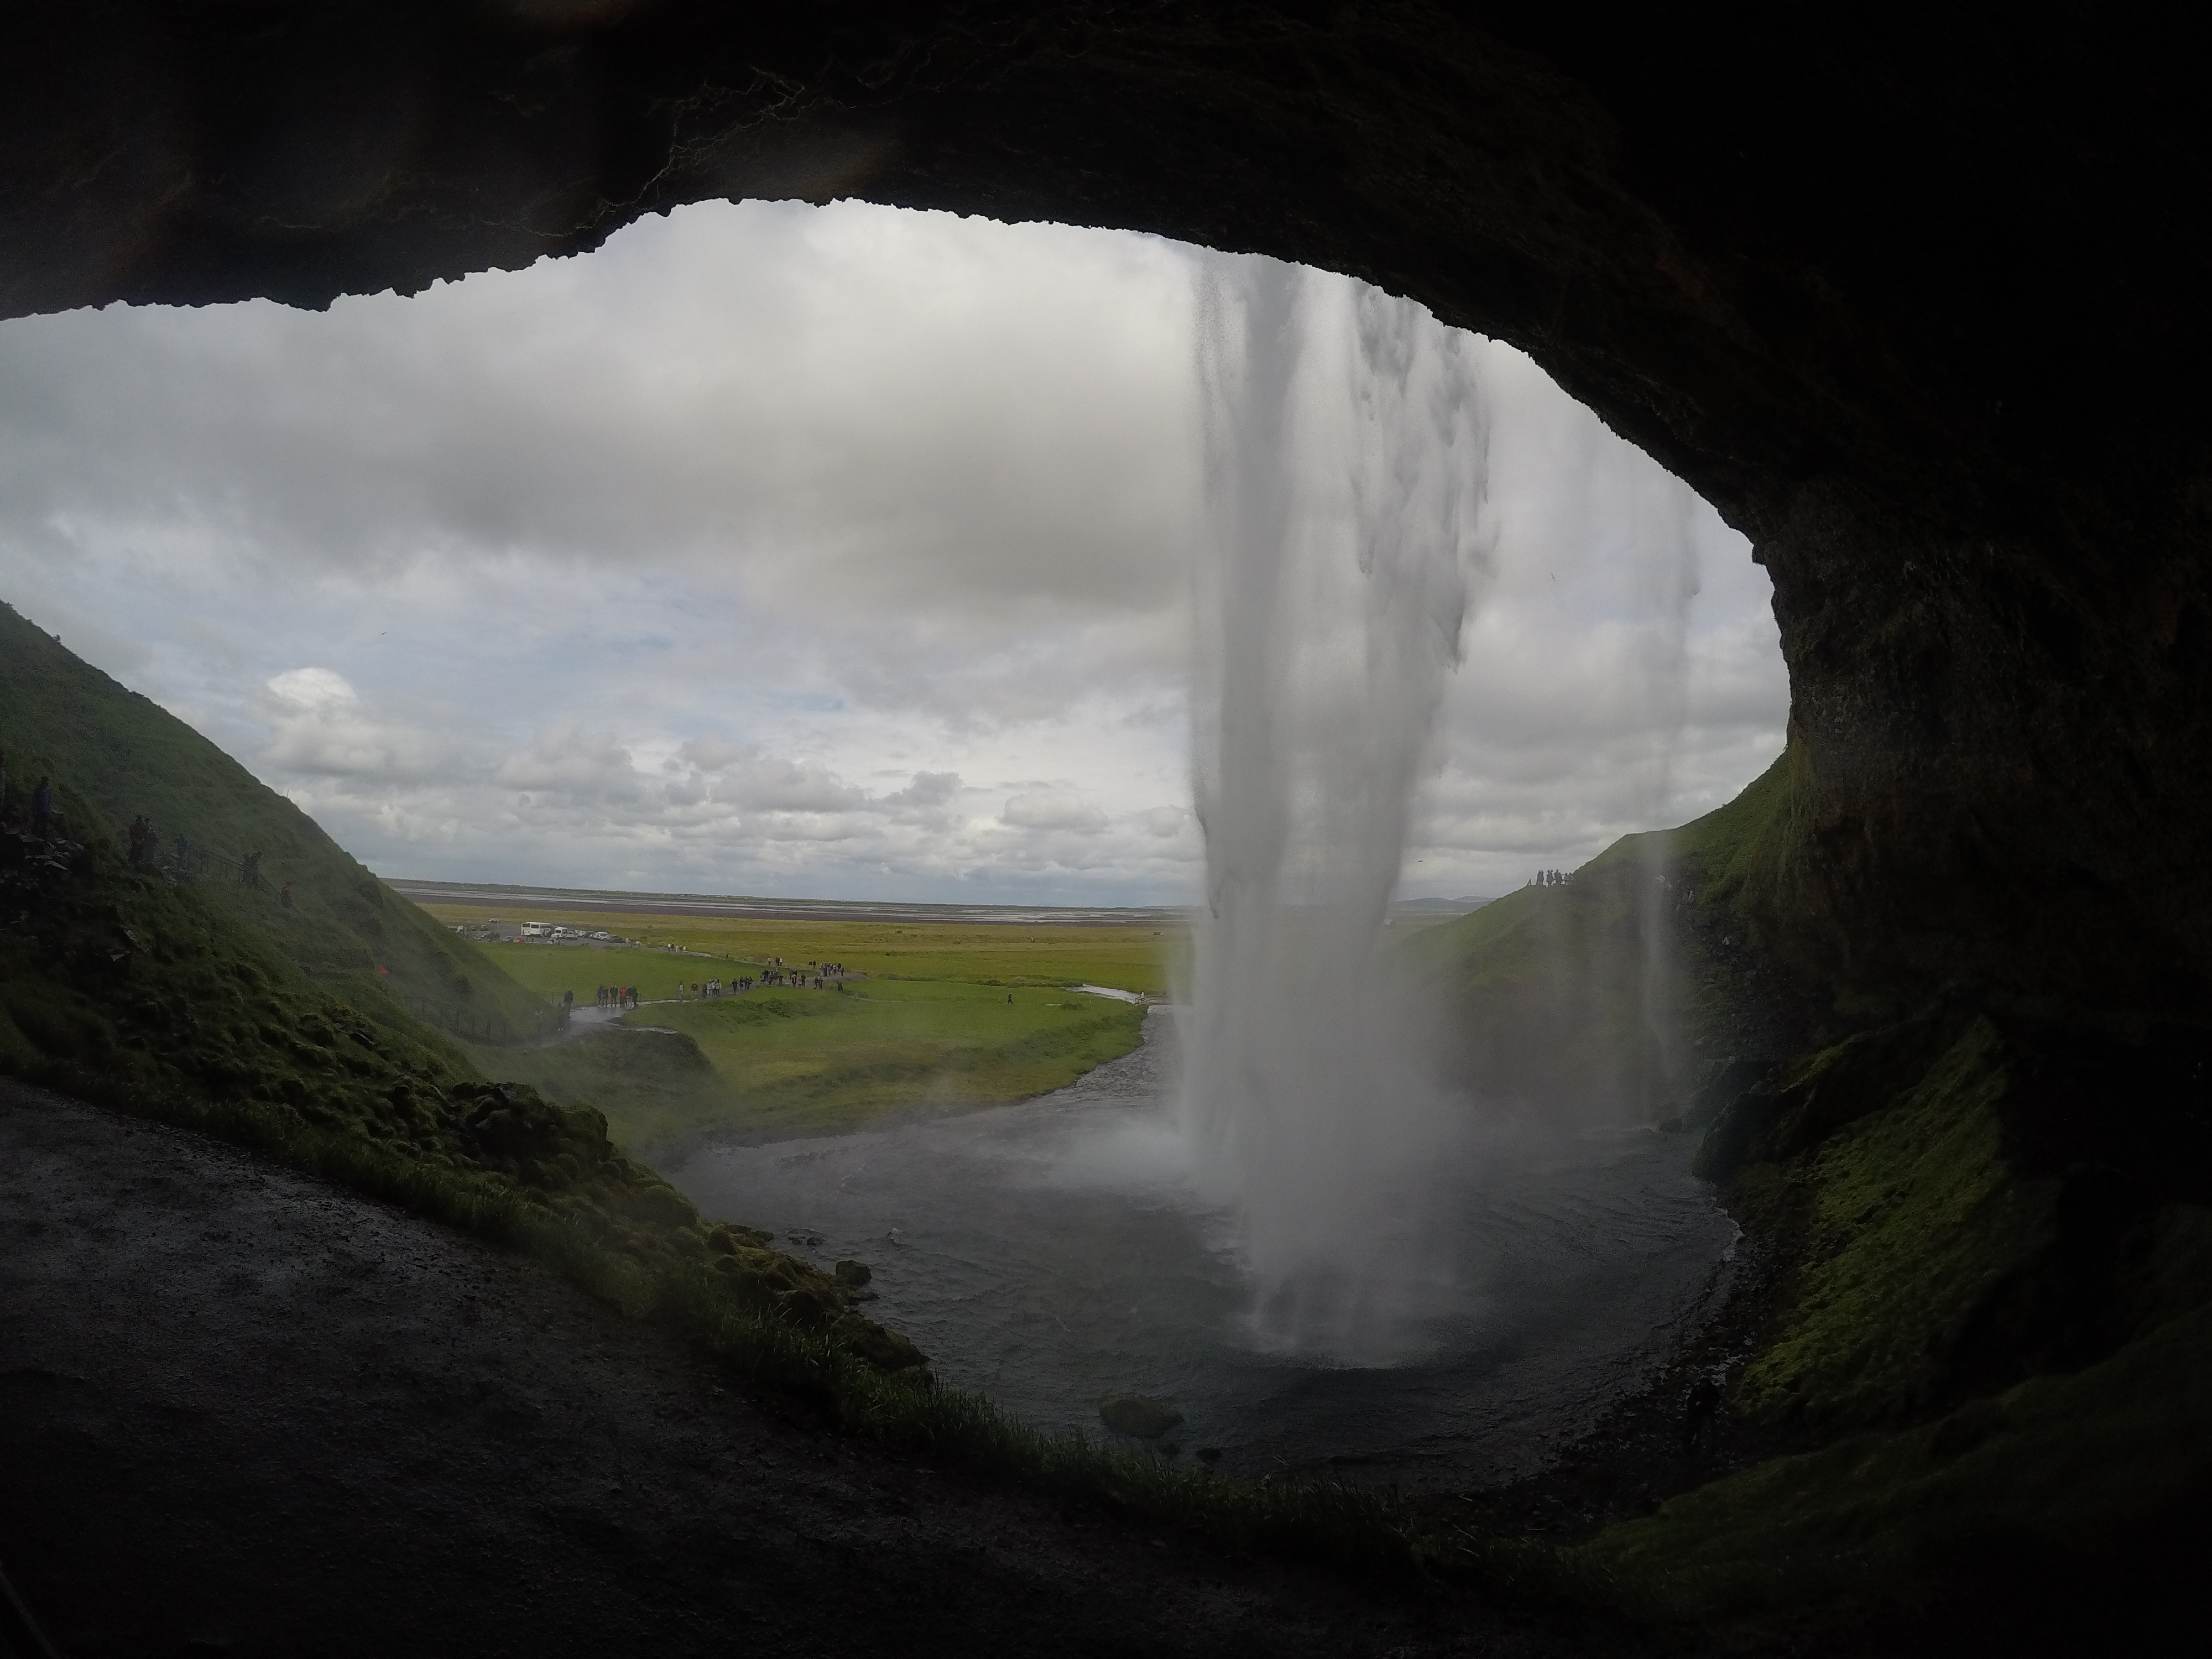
(1208, 1455)
(853, 1274)
(1139, 1419)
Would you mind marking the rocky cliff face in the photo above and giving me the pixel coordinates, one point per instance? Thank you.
(1916, 305)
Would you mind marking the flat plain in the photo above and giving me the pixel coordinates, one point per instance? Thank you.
(941, 1016)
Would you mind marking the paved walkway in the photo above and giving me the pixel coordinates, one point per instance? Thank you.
(245, 1413)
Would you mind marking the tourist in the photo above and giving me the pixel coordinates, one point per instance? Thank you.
(42, 808)
(284, 896)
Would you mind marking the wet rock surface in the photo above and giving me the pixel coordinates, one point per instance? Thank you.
(244, 1410)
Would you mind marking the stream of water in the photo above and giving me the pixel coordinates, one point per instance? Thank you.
(1057, 1252)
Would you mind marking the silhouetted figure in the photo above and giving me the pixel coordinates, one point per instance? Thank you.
(1699, 1408)
(284, 896)
(249, 870)
(42, 809)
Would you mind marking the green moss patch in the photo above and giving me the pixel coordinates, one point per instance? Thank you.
(2054, 1485)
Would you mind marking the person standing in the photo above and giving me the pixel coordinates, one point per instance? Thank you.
(42, 808)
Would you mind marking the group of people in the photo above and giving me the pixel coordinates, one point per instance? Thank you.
(617, 996)
(824, 974)
(712, 987)
(1551, 878)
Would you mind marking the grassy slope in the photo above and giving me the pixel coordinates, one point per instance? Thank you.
(122, 756)
(204, 1003)
(803, 1061)
(1556, 997)
(1994, 1317)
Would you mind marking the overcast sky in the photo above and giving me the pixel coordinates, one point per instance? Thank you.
(817, 552)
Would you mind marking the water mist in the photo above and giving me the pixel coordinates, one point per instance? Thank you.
(1348, 447)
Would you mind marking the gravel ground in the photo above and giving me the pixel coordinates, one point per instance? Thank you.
(243, 1412)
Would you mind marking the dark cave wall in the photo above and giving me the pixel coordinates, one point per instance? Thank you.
(1919, 305)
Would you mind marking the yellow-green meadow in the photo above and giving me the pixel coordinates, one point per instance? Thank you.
(937, 1015)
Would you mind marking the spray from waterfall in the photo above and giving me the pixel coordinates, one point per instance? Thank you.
(1665, 561)
(1348, 441)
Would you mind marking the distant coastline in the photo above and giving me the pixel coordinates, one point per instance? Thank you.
(791, 910)
(781, 909)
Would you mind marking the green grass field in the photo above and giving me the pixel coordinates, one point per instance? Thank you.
(952, 1016)
(1127, 958)
(818, 1060)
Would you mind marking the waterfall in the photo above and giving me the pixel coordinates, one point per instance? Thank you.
(1347, 437)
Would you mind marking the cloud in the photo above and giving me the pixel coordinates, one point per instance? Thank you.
(763, 784)
(1053, 809)
(927, 789)
(571, 761)
(795, 551)
(314, 691)
(317, 726)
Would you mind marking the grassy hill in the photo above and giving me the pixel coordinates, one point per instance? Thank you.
(1986, 1232)
(179, 992)
(117, 755)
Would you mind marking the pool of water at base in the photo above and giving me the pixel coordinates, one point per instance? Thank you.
(1052, 1254)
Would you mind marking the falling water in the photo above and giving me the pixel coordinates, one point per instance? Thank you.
(1348, 443)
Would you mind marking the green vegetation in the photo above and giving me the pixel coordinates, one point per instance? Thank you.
(1553, 996)
(188, 996)
(658, 1090)
(785, 1061)
(807, 1061)
(1994, 1310)
(550, 969)
(115, 755)
(1128, 959)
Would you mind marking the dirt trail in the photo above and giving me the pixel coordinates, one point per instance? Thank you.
(242, 1412)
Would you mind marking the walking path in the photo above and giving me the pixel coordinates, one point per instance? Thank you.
(242, 1412)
